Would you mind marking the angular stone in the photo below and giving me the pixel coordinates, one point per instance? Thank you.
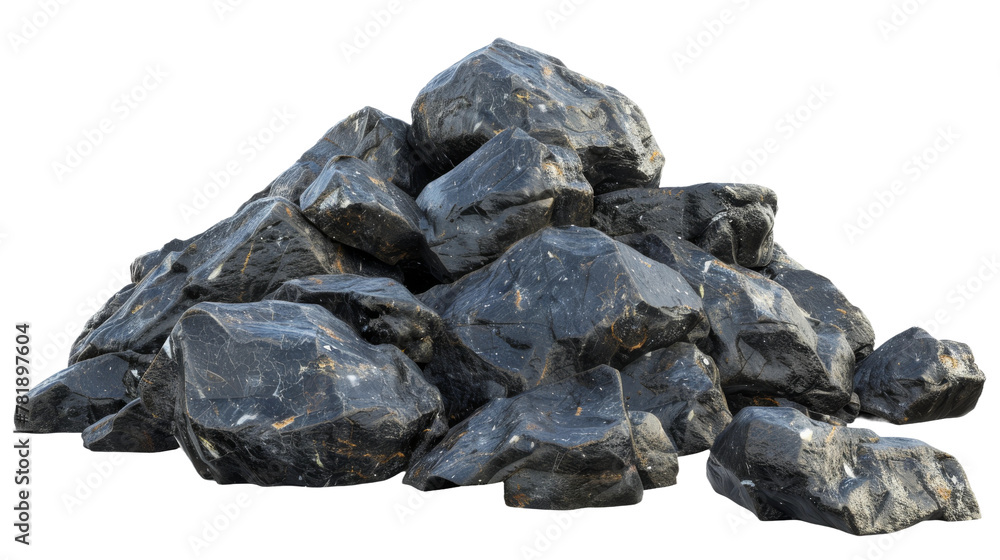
(779, 464)
(760, 340)
(505, 85)
(738, 402)
(655, 454)
(560, 301)
(75, 397)
(914, 377)
(130, 430)
(382, 310)
(239, 259)
(146, 262)
(564, 445)
(280, 393)
(680, 386)
(509, 188)
(821, 300)
(734, 222)
(351, 204)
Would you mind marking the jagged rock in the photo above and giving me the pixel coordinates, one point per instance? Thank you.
(680, 386)
(779, 464)
(505, 85)
(914, 377)
(738, 402)
(734, 222)
(277, 393)
(382, 310)
(146, 262)
(509, 188)
(760, 340)
(351, 204)
(564, 445)
(130, 430)
(655, 453)
(75, 397)
(239, 259)
(557, 302)
(817, 296)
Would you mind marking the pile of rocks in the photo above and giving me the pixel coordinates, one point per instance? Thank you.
(501, 292)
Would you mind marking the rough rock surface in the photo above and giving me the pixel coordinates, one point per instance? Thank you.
(560, 446)
(560, 301)
(680, 386)
(505, 85)
(382, 310)
(276, 392)
(914, 377)
(780, 464)
(130, 430)
(76, 397)
(509, 188)
(734, 222)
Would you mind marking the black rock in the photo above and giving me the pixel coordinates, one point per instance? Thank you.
(680, 386)
(566, 445)
(560, 301)
(279, 393)
(146, 262)
(733, 222)
(351, 204)
(779, 464)
(509, 188)
(75, 397)
(505, 85)
(761, 341)
(240, 259)
(130, 430)
(738, 402)
(818, 297)
(914, 377)
(382, 310)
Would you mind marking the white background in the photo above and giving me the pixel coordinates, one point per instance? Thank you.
(66, 239)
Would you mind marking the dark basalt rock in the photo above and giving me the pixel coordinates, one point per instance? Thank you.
(505, 85)
(239, 259)
(76, 397)
(680, 386)
(818, 297)
(351, 204)
(914, 377)
(382, 310)
(733, 222)
(779, 464)
(130, 430)
(760, 340)
(564, 445)
(738, 402)
(283, 393)
(560, 301)
(509, 188)
(144, 263)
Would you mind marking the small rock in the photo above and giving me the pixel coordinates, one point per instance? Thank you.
(75, 397)
(130, 430)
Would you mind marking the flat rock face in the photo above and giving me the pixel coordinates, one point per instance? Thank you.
(779, 464)
(130, 430)
(560, 301)
(680, 386)
(352, 204)
(283, 393)
(761, 341)
(733, 222)
(240, 259)
(915, 377)
(509, 188)
(505, 85)
(817, 296)
(381, 310)
(565, 445)
(76, 397)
